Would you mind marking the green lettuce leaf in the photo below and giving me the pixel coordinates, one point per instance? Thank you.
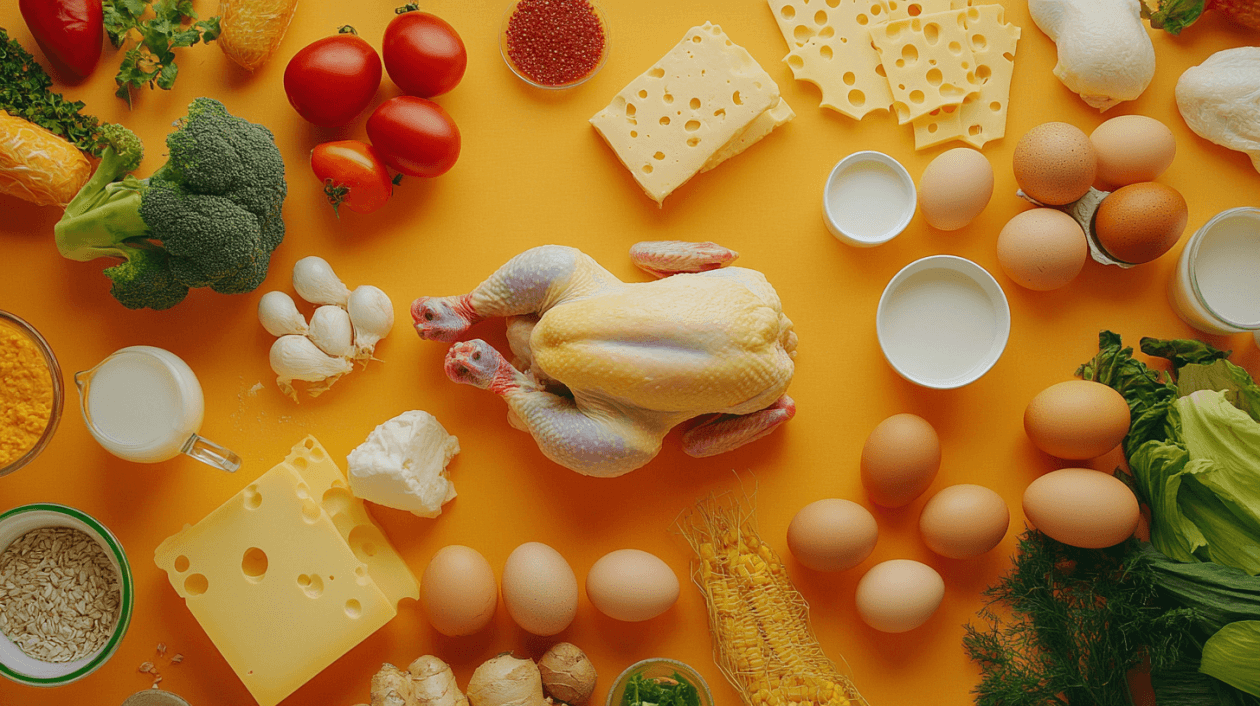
(1158, 469)
(1231, 656)
(1182, 352)
(1149, 393)
(1239, 388)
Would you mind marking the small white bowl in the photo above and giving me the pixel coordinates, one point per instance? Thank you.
(942, 322)
(869, 199)
(14, 663)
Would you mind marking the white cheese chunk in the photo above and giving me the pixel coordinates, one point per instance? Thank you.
(403, 465)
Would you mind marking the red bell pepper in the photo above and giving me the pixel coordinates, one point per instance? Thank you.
(69, 32)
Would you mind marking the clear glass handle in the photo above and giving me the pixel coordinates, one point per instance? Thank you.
(211, 454)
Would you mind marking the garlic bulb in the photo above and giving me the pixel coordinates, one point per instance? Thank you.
(314, 280)
(372, 314)
(330, 330)
(279, 315)
(297, 358)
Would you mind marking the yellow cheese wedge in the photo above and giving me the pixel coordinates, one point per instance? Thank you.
(273, 582)
(928, 62)
(940, 125)
(671, 120)
(763, 125)
(992, 41)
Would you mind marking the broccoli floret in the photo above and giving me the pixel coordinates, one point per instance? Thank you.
(210, 217)
(144, 280)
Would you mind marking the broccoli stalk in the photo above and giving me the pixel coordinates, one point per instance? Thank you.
(210, 217)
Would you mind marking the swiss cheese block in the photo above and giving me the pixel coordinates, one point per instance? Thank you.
(992, 41)
(928, 61)
(763, 125)
(272, 580)
(940, 125)
(831, 48)
(668, 123)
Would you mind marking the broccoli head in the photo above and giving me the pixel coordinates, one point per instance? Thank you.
(210, 217)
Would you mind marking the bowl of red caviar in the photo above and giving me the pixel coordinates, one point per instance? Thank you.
(554, 44)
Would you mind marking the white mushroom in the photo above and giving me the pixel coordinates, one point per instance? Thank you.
(372, 314)
(297, 358)
(279, 315)
(330, 330)
(315, 281)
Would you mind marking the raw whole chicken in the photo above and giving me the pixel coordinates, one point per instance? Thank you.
(604, 368)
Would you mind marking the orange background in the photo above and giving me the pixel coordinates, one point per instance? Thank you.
(532, 172)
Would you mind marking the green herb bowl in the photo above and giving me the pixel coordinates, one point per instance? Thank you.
(14, 323)
(654, 668)
(15, 664)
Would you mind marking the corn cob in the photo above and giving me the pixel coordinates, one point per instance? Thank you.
(760, 623)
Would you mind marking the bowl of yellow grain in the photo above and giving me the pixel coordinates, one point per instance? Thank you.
(31, 395)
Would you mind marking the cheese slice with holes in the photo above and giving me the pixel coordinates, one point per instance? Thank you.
(939, 126)
(831, 48)
(992, 41)
(928, 62)
(278, 587)
(670, 121)
(763, 125)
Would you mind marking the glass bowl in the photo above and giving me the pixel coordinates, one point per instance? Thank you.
(654, 668)
(15, 664)
(10, 322)
(503, 49)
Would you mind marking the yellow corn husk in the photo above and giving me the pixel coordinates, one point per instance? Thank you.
(38, 166)
(760, 623)
(253, 29)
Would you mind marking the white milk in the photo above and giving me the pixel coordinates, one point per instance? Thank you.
(939, 325)
(143, 404)
(1223, 260)
(868, 200)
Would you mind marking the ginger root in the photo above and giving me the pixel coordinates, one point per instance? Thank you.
(433, 683)
(567, 674)
(506, 681)
(391, 686)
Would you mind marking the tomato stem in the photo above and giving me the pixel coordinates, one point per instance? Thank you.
(347, 29)
(409, 7)
(336, 193)
(396, 180)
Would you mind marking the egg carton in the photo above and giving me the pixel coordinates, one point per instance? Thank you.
(1084, 211)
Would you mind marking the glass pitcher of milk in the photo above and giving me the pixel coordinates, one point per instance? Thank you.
(144, 404)
(1216, 288)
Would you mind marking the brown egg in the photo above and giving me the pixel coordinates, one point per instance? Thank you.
(458, 591)
(899, 460)
(832, 535)
(1042, 249)
(964, 521)
(1055, 163)
(955, 188)
(899, 595)
(1077, 419)
(1083, 508)
(1132, 149)
(1140, 222)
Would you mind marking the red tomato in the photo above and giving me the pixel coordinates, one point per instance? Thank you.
(333, 79)
(352, 174)
(422, 53)
(414, 136)
(69, 31)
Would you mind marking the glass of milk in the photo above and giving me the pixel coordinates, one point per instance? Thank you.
(144, 404)
(1216, 288)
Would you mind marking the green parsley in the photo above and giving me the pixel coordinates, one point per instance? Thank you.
(660, 691)
(24, 93)
(173, 25)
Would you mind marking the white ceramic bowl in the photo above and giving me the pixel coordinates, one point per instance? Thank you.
(942, 322)
(15, 664)
(869, 199)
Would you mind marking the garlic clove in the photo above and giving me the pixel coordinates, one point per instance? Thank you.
(372, 315)
(295, 357)
(314, 280)
(278, 313)
(330, 330)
